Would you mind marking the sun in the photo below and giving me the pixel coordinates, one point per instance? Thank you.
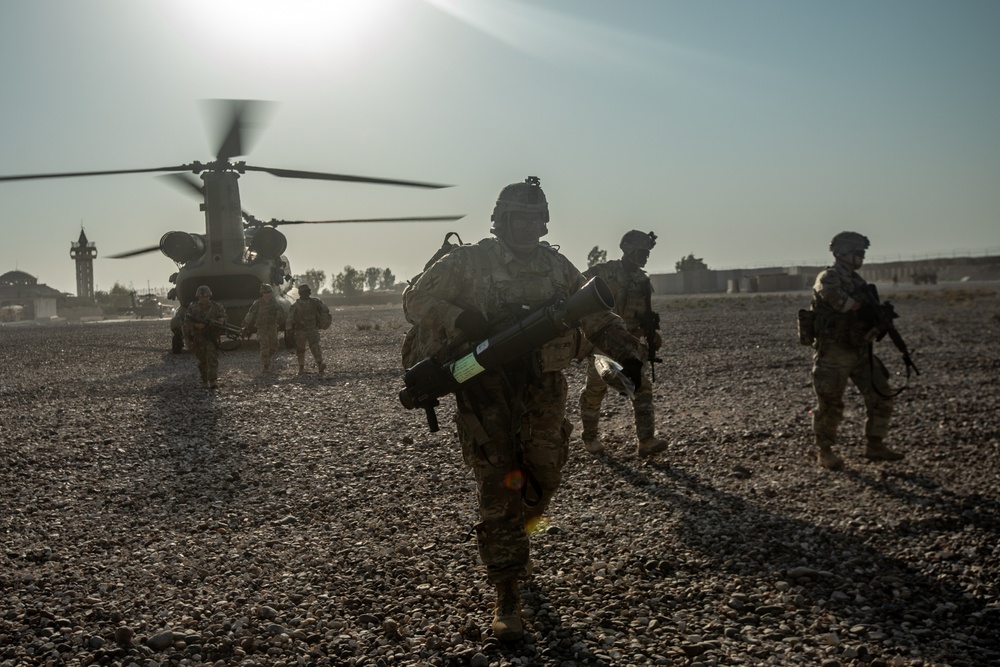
(281, 28)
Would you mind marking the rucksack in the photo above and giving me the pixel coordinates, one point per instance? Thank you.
(324, 318)
(413, 351)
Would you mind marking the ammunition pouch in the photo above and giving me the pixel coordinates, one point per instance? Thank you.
(557, 355)
(807, 326)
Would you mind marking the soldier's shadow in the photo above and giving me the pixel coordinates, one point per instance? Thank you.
(841, 566)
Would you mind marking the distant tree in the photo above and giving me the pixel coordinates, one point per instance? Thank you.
(350, 281)
(372, 276)
(596, 256)
(691, 263)
(314, 278)
(118, 288)
(387, 280)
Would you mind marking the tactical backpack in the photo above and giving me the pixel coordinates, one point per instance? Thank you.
(412, 351)
(324, 318)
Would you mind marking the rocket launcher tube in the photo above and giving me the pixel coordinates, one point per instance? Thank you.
(427, 381)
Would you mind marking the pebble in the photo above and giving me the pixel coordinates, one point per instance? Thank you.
(321, 523)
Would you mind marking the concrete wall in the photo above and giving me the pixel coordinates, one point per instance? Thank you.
(794, 278)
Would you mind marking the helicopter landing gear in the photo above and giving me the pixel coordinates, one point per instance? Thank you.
(177, 344)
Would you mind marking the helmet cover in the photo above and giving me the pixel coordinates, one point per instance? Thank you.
(203, 290)
(846, 242)
(526, 197)
(636, 240)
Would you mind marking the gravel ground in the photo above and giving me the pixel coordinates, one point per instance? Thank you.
(311, 520)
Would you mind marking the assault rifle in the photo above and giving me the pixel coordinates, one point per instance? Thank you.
(879, 316)
(230, 331)
(429, 380)
(650, 322)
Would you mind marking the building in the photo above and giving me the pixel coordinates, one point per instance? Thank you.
(84, 252)
(22, 298)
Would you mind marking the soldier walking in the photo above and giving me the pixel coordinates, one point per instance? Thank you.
(511, 421)
(843, 351)
(305, 320)
(268, 318)
(633, 303)
(198, 321)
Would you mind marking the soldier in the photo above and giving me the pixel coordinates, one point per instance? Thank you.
(204, 337)
(305, 318)
(511, 422)
(268, 318)
(843, 352)
(633, 292)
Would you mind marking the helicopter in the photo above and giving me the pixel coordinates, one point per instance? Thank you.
(237, 253)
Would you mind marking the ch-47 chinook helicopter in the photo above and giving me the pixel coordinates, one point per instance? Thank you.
(237, 252)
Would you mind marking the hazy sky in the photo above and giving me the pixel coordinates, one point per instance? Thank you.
(747, 133)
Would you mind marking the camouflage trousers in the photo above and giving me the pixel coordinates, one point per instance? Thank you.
(593, 395)
(208, 358)
(516, 474)
(310, 338)
(268, 347)
(833, 366)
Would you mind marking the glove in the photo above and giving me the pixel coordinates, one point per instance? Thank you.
(473, 325)
(632, 369)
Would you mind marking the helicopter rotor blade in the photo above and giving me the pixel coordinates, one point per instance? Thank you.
(185, 182)
(133, 253)
(69, 174)
(242, 119)
(295, 173)
(432, 218)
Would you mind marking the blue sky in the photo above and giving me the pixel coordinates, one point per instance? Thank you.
(747, 133)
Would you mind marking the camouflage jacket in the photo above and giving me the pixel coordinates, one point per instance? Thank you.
(630, 290)
(836, 291)
(304, 314)
(487, 277)
(265, 316)
(214, 311)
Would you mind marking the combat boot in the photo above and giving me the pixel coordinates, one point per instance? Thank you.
(507, 625)
(827, 458)
(875, 450)
(322, 367)
(652, 446)
(302, 369)
(593, 444)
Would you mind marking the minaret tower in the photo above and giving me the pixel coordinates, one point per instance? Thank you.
(84, 253)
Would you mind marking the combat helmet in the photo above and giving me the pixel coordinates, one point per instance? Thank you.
(846, 242)
(527, 197)
(305, 290)
(265, 288)
(203, 290)
(636, 240)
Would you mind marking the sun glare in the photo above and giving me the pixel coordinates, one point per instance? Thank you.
(293, 27)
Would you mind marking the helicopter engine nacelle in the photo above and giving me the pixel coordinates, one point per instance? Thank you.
(182, 247)
(268, 243)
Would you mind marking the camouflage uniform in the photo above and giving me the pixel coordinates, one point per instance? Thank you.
(268, 317)
(842, 354)
(631, 291)
(205, 342)
(511, 423)
(303, 319)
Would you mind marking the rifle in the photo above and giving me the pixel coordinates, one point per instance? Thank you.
(650, 322)
(879, 316)
(230, 331)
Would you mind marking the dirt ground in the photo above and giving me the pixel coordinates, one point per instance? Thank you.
(312, 520)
